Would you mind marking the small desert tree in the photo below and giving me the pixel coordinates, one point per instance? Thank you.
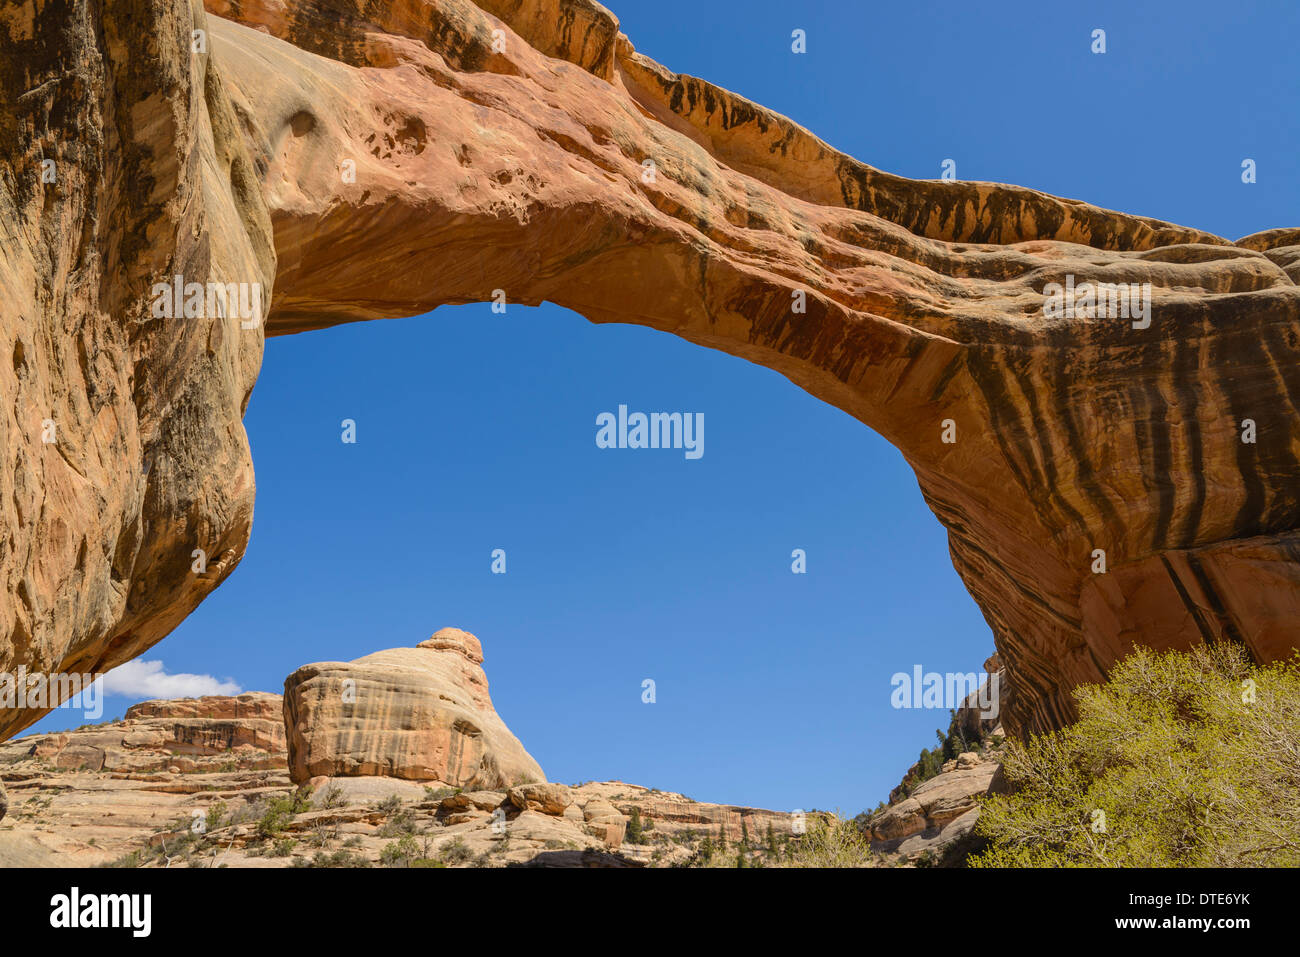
(1180, 760)
(635, 831)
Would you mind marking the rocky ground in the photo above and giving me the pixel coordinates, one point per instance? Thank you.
(932, 823)
(204, 783)
(929, 820)
(400, 759)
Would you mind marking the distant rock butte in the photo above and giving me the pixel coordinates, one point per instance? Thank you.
(421, 714)
(244, 732)
(249, 707)
(330, 150)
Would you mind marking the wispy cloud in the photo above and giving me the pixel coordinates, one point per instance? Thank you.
(149, 679)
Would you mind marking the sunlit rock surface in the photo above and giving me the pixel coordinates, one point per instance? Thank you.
(363, 161)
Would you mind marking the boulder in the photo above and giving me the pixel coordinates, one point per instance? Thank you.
(611, 832)
(546, 798)
(938, 811)
(598, 809)
(479, 800)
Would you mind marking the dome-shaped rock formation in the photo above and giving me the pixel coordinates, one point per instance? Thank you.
(422, 714)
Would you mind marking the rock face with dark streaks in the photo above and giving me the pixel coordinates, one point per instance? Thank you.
(422, 714)
(524, 146)
(122, 449)
(185, 735)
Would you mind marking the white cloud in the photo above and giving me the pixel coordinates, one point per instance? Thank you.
(148, 679)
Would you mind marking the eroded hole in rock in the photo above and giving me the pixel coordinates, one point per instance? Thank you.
(302, 123)
(412, 136)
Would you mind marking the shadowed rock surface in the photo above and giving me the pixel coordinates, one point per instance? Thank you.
(122, 448)
(379, 160)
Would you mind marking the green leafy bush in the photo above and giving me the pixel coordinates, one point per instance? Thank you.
(635, 830)
(830, 841)
(280, 811)
(455, 852)
(337, 859)
(400, 853)
(1180, 760)
(216, 814)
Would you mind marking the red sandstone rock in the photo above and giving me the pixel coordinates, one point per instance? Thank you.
(326, 145)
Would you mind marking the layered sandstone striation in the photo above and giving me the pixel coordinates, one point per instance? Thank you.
(93, 794)
(421, 714)
(215, 732)
(935, 816)
(377, 160)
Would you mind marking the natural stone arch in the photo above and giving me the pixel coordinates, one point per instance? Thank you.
(524, 168)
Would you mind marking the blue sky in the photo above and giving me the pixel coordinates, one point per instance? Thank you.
(476, 431)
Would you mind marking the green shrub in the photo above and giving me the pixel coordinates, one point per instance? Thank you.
(300, 800)
(216, 813)
(403, 822)
(830, 841)
(456, 852)
(337, 859)
(280, 811)
(400, 853)
(273, 820)
(1179, 760)
(635, 833)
